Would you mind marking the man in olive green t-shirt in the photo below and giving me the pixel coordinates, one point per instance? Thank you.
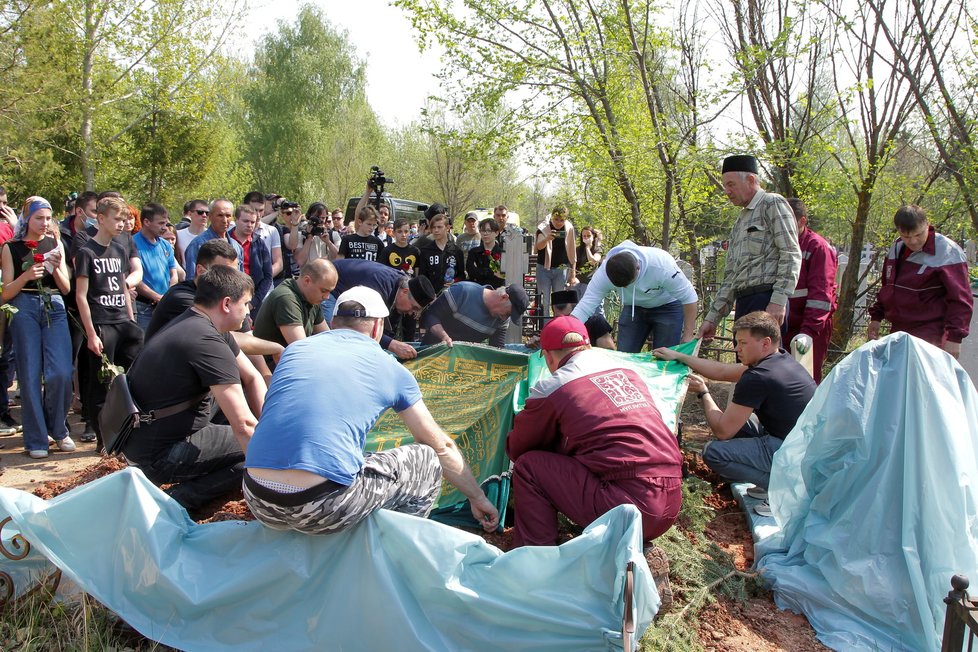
(292, 311)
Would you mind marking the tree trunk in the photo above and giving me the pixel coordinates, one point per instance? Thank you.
(88, 64)
(667, 211)
(848, 289)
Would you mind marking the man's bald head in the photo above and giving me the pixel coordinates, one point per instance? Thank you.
(319, 270)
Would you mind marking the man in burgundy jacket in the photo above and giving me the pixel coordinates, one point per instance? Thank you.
(590, 438)
(925, 287)
(814, 299)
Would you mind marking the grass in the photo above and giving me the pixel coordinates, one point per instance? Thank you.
(699, 572)
(39, 623)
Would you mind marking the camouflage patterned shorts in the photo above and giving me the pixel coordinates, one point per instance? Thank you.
(404, 479)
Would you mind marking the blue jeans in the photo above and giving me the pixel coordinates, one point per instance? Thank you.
(746, 457)
(549, 281)
(143, 313)
(42, 350)
(665, 323)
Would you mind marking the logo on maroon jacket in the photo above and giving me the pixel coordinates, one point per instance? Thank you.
(616, 386)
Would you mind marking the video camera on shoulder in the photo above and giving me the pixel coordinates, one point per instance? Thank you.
(285, 205)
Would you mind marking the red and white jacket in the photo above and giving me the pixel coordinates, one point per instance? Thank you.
(814, 299)
(601, 415)
(927, 294)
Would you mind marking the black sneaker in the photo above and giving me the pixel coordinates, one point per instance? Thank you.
(88, 435)
(9, 425)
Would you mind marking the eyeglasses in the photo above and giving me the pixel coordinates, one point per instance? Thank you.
(486, 231)
(202, 211)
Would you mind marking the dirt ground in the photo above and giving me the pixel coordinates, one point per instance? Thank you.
(725, 626)
(22, 472)
(728, 626)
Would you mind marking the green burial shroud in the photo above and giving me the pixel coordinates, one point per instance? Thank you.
(474, 391)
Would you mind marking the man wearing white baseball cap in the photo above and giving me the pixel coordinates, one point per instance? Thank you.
(306, 467)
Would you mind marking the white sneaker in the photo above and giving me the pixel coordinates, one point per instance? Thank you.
(38, 454)
(67, 445)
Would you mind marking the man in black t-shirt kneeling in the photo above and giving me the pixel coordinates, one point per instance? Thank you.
(192, 360)
(771, 391)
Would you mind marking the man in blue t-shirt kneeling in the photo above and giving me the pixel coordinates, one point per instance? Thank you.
(306, 468)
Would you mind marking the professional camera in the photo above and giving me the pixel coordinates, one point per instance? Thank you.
(314, 226)
(285, 205)
(377, 180)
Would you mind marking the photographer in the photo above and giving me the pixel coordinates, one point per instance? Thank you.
(374, 195)
(285, 218)
(315, 236)
(556, 255)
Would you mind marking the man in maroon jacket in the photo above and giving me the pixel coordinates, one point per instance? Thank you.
(814, 299)
(590, 438)
(926, 290)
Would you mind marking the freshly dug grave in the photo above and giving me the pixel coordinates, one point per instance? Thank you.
(726, 625)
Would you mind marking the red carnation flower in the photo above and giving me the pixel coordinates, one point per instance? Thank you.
(30, 244)
(406, 266)
(497, 256)
(38, 258)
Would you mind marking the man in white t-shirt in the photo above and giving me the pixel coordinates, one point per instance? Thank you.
(195, 214)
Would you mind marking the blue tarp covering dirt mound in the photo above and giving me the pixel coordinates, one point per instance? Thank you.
(394, 582)
(876, 491)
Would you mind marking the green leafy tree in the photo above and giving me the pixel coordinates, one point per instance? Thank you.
(307, 85)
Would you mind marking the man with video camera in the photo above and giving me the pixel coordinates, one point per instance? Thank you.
(284, 216)
(374, 195)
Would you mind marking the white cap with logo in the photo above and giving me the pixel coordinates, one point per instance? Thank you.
(370, 299)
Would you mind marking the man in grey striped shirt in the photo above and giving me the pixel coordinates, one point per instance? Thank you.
(763, 259)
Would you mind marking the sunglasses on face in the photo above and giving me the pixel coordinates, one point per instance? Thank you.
(202, 211)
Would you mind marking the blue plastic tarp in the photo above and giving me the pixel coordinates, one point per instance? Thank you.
(394, 582)
(875, 491)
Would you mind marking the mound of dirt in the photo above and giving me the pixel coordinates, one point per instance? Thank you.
(757, 626)
(104, 466)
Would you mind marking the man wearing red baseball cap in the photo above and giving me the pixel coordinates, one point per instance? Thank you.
(589, 439)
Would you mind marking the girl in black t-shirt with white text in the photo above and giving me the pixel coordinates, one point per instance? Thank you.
(104, 304)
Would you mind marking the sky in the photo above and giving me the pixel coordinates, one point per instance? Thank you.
(383, 36)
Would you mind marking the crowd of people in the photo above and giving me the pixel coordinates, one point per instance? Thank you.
(230, 322)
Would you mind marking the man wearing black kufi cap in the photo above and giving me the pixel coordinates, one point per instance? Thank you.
(763, 259)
